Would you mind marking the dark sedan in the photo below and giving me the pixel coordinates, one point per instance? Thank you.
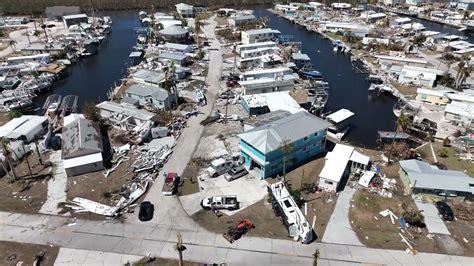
(445, 211)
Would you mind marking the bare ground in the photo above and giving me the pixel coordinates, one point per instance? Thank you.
(260, 213)
(12, 253)
(164, 262)
(27, 194)
(380, 232)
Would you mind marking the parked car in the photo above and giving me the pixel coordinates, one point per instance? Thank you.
(146, 211)
(221, 202)
(445, 211)
(235, 173)
(218, 167)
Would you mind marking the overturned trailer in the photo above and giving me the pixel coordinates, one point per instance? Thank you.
(286, 207)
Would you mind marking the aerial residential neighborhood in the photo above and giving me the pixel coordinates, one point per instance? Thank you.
(270, 133)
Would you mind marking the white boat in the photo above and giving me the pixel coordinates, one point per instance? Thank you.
(21, 104)
(53, 107)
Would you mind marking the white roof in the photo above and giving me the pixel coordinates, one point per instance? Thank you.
(169, 23)
(459, 108)
(261, 31)
(82, 160)
(75, 16)
(13, 124)
(336, 162)
(402, 59)
(27, 126)
(360, 158)
(436, 93)
(365, 178)
(376, 15)
(267, 71)
(258, 44)
(71, 118)
(402, 20)
(340, 115)
(461, 97)
(274, 100)
(218, 162)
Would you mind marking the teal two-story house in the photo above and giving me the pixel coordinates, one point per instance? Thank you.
(262, 147)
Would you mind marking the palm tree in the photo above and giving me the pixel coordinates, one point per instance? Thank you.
(12, 44)
(180, 248)
(169, 84)
(400, 125)
(463, 72)
(197, 30)
(7, 154)
(286, 147)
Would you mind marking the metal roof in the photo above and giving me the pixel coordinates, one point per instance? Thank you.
(173, 30)
(340, 115)
(300, 56)
(126, 110)
(149, 76)
(74, 16)
(269, 137)
(80, 137)
(173, 56)
(261, 31)
(177, 46)
(146, 90)
(425, 176)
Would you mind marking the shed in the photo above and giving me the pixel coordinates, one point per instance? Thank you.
(58, 12)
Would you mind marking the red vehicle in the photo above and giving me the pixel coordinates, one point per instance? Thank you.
(170, 186)
(234, 233)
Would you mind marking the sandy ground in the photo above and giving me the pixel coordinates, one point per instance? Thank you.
(26, 195)
(12, 253)
(261, 214)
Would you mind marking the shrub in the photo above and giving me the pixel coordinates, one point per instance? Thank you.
(443, 153)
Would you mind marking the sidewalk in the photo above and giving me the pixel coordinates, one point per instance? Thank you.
(202, 246)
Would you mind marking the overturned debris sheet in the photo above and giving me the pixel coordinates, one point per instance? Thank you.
(79, 205)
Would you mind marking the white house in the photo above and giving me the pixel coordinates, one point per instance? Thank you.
(260, 35)
(264, 85)
(419, 76)
(81, 147)
(338, 164)
(240, 19)
(25, 128)
(253, 46)
(185, 10)
(126, 116)
(460, 113)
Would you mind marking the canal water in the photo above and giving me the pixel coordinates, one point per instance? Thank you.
(92, 77)
(347, 89)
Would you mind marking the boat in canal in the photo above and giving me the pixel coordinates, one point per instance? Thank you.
(340, 124)
(52, 103)
(69, 104)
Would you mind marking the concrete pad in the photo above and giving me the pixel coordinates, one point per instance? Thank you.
(67, 256)
(57, 185)
(277, 259)
(210, 148)
(434, 223)
(240, 257)
(254, 243)
(151, 247)
(282, 247)
(248, 190)
(339, 229)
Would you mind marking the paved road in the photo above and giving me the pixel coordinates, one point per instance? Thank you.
(168, 209)
(201, 246)
(339, 230)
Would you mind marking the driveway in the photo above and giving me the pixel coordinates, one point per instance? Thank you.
(433, 222)
(339, 229)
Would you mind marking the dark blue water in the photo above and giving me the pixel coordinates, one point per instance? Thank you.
(347, 89)
(93, 76)
(444, 29)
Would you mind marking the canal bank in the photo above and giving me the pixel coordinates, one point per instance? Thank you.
(93, 76)
(348, 89)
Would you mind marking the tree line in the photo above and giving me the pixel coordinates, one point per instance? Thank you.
(28, 7)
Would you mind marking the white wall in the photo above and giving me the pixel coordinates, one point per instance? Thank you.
(328, 185)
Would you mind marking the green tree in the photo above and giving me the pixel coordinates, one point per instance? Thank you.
(14, 114)
(8, 159)
(419, 40)
(91, 112)
(463, 71)
(443, 153)
(286, 147)
(170, 85)
(401, 124)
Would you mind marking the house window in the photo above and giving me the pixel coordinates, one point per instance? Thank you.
(328, 182)
(316, 134)
(305, 138)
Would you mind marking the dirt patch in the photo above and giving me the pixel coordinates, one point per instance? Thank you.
(319, 204)
(404, 89)
(190, 183)
(3, 116)
(267, 224)
(12, 253)
(380, 232)
(27, 194)
(462, 229)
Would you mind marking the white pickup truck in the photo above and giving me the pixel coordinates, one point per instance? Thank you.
(221, 202)
(218, 167)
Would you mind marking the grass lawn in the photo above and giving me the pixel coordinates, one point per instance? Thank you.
(452, 161)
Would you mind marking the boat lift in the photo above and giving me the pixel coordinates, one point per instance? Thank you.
(68, 105)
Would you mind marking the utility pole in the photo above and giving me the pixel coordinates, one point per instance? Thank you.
(180, 248)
